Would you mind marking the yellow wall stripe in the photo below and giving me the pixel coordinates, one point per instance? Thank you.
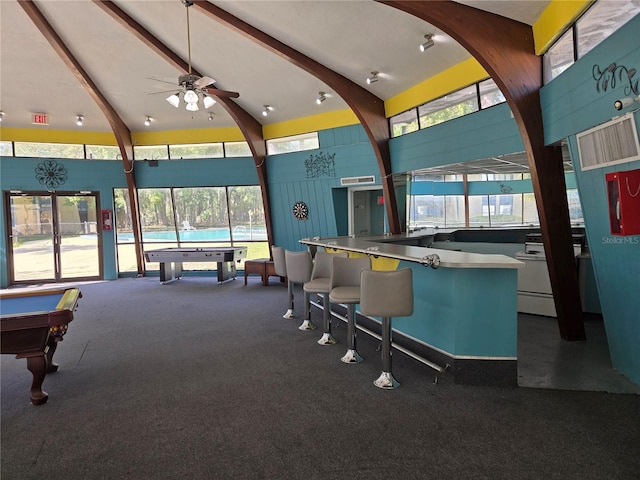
(56, 136)
(195, 135)
(555, 19)
(454, 78)
(313, 123)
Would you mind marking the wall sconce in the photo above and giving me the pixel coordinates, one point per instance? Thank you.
(148, 121)
(428, 42)
(373, 78)
(321, 97)
(625, 102)
(79, 120)
(267, 109)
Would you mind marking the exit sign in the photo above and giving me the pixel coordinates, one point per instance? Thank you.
(40, 119)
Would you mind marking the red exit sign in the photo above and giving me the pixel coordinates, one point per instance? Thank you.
(40, 119)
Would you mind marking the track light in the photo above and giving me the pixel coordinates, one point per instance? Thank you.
(428, 43)
(174, 100)
(208, 101)
(373, 78)
(321, 97)
(267, 109)
(1, 116)
(79, 120)
(211, 116)
(148, 120)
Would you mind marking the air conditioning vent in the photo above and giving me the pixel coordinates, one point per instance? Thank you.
(610, 143)
(348, 181)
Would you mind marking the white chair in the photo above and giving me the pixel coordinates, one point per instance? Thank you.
(299, 265)
(320, 283)
(345, 289)
(387, 294)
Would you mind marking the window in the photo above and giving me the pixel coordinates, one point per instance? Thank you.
(559, 57)
(405, 122)
(295, 143)
(153, 152)
(601, 20)
(48, 150)
(490, 94)
(237, 149)
(194, 217)
(450, 106)
(103, 152)
(199, 150)
(6, 149)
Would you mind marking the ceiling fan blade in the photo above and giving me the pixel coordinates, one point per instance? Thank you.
(221, 93)
(204, 81)
(156, 79)
(173, 90)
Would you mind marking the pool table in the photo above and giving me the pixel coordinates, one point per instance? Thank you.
(31, 325)
(171, 260)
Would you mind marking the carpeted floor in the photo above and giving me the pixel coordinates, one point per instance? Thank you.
(194, 380)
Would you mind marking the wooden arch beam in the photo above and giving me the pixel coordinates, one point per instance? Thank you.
(505, 48)
(251, 129)
(368, 108)
(120, 130)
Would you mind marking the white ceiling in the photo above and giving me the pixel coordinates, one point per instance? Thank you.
(350, 37)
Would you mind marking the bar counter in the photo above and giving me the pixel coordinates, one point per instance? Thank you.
(465, 304)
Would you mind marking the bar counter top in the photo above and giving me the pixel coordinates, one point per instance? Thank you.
(402, 247)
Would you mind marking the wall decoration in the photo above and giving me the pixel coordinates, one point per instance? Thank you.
(300, 210)
(505, 188)
(51, 174)
(607, 78)
(320, 165)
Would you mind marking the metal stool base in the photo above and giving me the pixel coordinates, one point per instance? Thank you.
(307, 325)
(352, 357)
(386, 381)
(327, 339)
(290, 314)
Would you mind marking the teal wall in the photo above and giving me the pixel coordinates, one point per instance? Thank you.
(102, 176)
(288, 183)
(571, 104)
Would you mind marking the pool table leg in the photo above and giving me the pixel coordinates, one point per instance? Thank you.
(52, 344)
(37, 366)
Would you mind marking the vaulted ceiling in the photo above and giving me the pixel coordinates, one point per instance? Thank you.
(352, 38)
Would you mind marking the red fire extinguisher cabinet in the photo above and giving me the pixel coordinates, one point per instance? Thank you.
(623, 191)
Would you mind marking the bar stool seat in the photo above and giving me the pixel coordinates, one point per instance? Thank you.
(387, 294)
(299, 265)
(345, 289)
(320, 284)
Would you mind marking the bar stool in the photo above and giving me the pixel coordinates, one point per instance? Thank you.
(280, 266)
(386, 294)
(320, 284)
(299, 265)
(345, 289)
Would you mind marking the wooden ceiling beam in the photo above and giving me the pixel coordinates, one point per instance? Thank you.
(505, 48)
(120, 130)
(368, 108)
(251, 129)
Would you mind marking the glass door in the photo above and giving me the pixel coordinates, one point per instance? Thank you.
(53, 237)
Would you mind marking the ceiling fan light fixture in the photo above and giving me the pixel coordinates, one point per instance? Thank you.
(174, 100)
(192, 107)
(428, 42)
(190, 97)
(373, 78)
(79, 120)
(208, 101)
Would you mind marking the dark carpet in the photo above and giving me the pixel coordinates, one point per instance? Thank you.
(194, 380)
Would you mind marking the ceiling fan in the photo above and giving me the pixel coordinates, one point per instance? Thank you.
(194, 87)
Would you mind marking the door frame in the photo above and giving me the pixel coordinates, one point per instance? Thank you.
(55, 235)
(351, 205)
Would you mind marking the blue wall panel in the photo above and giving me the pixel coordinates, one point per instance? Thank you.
(571, 104)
